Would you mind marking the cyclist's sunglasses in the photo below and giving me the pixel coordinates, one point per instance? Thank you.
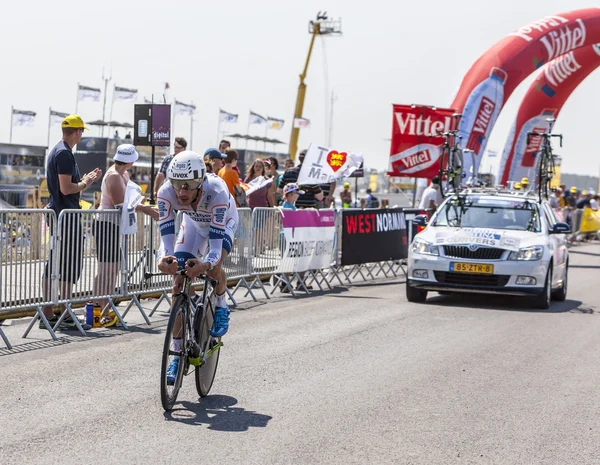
(188, 185)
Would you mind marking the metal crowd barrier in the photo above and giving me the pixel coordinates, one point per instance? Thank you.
(91, 261)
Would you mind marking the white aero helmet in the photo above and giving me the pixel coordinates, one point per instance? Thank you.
(187, 166)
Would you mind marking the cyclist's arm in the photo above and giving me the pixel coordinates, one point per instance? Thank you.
(166, 222)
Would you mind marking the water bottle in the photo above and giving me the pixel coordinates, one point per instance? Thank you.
(89, 313)
(480, 113)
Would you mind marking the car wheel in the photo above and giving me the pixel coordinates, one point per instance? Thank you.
(542, 300)
(561, 294)
(414, 294)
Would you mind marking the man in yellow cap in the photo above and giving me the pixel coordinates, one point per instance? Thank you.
(517, 186)
(346, 196)
(65, 185)
(525, 183)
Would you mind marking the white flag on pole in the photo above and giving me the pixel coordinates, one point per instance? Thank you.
(255, 118)
(275, 123)
(226, 117)
(322, 165)
(56, 117)
(124, 94)
(300, 122)
(184, 108)
(133, 197)
(88, 93)
(23, 118)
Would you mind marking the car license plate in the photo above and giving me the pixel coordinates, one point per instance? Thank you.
(476, 268)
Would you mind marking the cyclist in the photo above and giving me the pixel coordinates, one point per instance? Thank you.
(210, 223)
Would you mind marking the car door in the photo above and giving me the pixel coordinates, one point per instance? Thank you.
(558, 242)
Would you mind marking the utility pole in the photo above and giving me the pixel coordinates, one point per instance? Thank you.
(322, 26)
(333, 99)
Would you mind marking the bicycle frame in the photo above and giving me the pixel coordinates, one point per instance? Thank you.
(451, 149)
(546, 163)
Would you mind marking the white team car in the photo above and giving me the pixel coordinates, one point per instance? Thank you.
(490, 242)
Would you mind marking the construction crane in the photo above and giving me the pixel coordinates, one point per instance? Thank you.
(321, 26)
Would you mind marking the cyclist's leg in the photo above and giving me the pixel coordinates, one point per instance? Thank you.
(221, 321)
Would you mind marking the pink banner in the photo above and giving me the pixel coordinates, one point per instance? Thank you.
(497, 73)
(544, 99)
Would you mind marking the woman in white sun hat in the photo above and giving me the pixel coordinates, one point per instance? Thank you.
(106, 227)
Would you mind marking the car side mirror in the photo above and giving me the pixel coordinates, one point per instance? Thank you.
(560, 228)
(420, 220)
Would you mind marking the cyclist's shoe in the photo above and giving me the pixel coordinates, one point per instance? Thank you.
(221, 323)
(172, 371)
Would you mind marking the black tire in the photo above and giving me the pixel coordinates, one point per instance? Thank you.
(168, 394)
(414, 294)
(560, 295)
(205, 375)
(543, 300)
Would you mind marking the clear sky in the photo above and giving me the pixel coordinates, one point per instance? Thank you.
(241, 55)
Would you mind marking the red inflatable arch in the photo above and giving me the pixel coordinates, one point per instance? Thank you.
(496, 74)
(544, 99)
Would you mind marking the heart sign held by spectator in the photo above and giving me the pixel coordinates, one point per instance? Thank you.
(336, 159)
(322, 165)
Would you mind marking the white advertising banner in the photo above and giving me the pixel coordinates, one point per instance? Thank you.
(309, 239)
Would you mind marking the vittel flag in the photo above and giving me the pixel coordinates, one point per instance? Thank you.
(275, 123)
(184, 108)
(300, 122)
(88, 93)
(56, 117)
(124, 94)
(23, 118)
(226, 117)
(416, 143)
(255, 118)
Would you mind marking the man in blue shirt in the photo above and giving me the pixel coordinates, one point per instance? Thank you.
(65, 185)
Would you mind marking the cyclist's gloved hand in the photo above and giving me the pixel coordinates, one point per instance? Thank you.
(168, 264)
(194, 267)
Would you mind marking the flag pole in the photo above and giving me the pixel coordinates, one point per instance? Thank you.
(174, 110)
(218, 129)
(248, 131)
(112, 102)
(191, 129)
(49, 123)
(77, 100)
(11, 125)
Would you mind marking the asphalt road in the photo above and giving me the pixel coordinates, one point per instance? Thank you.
(353, 376)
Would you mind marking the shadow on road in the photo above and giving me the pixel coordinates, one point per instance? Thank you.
(579, 252)
(584, 266)
(218, 413)
(509, 303)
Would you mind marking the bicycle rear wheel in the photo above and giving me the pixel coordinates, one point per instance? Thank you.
(205, 374)
(168, 394)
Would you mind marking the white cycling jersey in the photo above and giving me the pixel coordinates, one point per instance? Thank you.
(215, 219)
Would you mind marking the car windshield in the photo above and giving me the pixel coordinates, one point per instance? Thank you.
(485, 212)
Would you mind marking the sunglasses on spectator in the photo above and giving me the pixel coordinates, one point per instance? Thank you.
(188, 185)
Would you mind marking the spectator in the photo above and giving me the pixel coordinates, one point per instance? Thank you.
(65, 185)
(265, 195)
(106, 227)
(224, 145)
(432, 197)
(179, 146)
(371, 201)
(231, 177)
(328, 190)
(291, 192)
(584, 200)
(346, 196)
(128, 135)
(311, 193)
(216, 159)
(289, 163)
(273, 167)
(116, 136)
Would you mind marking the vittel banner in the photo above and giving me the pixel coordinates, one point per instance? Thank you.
(497, 73)
(544, 99)
(416, 141)
(370, 236)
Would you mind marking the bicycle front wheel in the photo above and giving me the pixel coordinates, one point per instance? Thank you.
(168, 393)
(205, 374)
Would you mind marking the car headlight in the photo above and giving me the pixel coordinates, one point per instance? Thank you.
(424, 248)
(528, 253)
